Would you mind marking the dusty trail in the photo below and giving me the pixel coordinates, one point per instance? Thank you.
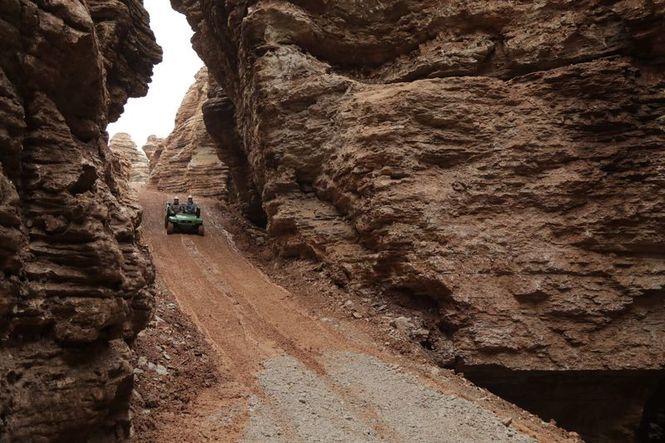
(287, 375)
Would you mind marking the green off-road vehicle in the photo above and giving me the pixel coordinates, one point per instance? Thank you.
(183, 221)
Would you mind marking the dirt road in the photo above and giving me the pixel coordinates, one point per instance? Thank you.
(288, 376)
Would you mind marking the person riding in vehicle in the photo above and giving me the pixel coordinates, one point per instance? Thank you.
(183, 217)
(176, 207)
(191, 207)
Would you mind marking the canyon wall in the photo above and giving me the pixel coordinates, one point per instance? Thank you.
(74, 280)
(188, 161)
(496, 165)
(136, 162)
(153, 150)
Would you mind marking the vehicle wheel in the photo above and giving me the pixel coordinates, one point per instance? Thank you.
(170, 228)
(200, 230)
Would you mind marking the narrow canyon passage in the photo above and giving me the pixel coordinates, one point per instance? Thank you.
(419, 191)
(289, 376)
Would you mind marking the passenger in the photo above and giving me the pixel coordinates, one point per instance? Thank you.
(191, 207)
(176, 207)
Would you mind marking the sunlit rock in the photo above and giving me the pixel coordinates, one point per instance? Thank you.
(188, 161)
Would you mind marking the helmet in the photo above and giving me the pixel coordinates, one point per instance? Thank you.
(176, 199)
(190, 198)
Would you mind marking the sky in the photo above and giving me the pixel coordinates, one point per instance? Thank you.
(155, 113)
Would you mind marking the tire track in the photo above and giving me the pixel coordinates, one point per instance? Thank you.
(255, 326)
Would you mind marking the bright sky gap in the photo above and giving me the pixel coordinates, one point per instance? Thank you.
(155, 113)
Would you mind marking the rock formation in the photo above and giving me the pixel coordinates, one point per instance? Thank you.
(496, 165)
(74, 281)
(153, 150)
(188, 161)
(136, 167)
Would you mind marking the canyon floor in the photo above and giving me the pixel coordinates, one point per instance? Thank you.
(283, 365)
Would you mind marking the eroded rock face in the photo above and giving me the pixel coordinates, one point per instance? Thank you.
(153, 150)
(188, 161)
(135, 162)
(497, 165)
(75, 283)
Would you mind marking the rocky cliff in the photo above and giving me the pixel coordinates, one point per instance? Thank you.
(153, 150)
(136, 167)
(74, 281)
(496, 165)
(188, 161)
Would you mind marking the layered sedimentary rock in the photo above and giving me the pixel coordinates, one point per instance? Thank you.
(496, 165)
(188, 161)
(153, 150)
(136, 162)
(74, 281)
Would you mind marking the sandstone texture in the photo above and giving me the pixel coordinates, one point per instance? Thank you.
(188, 161)
(153, 150)
(135, 162)
(496, 165)
(74, 280)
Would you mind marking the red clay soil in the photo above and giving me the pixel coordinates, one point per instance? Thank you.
(171, 341)
(247, 319)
